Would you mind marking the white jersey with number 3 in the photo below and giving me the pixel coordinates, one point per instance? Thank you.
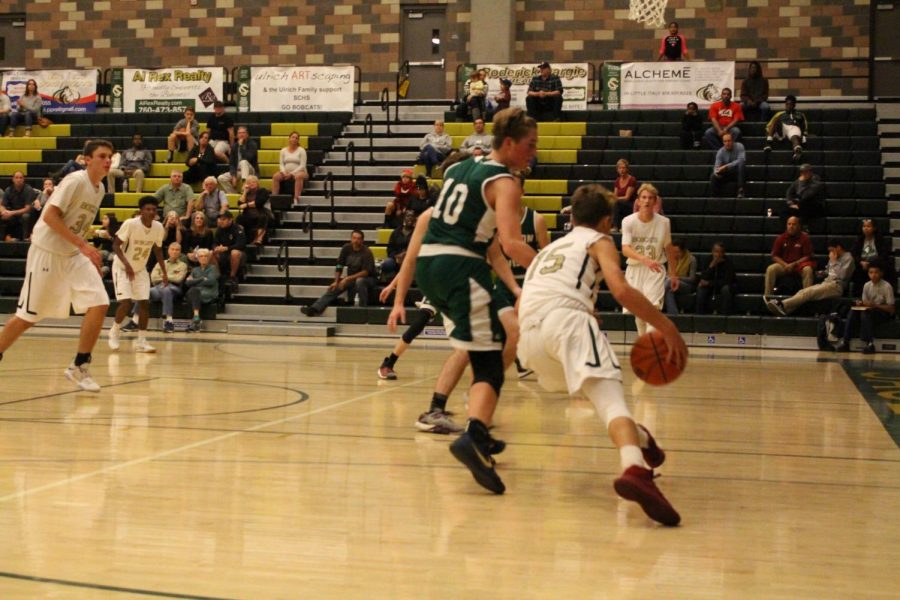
(647, 239)
(78, 199)
(563, 275)
(138, 241)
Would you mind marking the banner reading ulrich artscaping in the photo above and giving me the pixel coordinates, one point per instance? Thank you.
(674, 84)
(301, 89)
(574, 78)
(62, 91)
(172, 90)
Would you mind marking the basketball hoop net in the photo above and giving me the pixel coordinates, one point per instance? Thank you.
(650, 12)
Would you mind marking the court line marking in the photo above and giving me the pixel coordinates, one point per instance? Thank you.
(104, 587)
(198, 444)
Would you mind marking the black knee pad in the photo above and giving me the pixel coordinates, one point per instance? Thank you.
(416, 326)
(487, 367)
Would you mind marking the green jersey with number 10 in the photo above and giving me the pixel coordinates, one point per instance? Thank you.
(462, 217)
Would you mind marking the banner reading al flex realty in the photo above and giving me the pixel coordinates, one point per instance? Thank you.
(167, 90)
(574, 78)
(673, 84)
(62, 91)
(300, 89)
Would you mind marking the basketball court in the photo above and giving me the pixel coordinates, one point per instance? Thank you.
(259, 467)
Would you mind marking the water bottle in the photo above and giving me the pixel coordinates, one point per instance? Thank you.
(769, 212)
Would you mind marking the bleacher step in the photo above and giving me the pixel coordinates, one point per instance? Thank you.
(358, 129)
(281, 330)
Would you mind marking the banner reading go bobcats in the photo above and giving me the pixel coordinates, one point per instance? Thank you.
(62, 91)
(574, 78)
(172, 90)
(301, 89)
(674, 84)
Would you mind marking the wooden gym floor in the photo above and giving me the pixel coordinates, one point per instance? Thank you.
(251, 467)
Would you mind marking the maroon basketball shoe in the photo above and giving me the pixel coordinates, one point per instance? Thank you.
(654, 456)
(636, 484)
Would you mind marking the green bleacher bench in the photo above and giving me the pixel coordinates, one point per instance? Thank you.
(46, 132)
(32, 143)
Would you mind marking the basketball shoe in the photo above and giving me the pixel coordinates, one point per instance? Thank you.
(636, 484)
(477, 458)
(654, 456)
(80, 377)
(437, 421)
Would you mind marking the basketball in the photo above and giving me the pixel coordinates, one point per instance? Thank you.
(648, 360)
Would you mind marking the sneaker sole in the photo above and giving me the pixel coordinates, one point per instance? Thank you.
(464, 451)
(78, 383)
(434, 428)
(651, 506)
(145, 350)
(388, 378)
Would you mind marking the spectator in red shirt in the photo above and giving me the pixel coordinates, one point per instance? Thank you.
(673, 46)
(792, 254)
(724, 116)
(404, 191)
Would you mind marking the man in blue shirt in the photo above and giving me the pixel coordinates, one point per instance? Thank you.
(730, 162)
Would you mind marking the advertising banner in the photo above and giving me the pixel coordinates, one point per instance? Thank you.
(62, 91)
(574, 78)
(243, 89)
(612, 83)
(673, 84)
(301, 89)
(172, 90)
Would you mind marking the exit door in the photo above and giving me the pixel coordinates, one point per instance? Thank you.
(423, 43)
(886, 49)
(12, 41)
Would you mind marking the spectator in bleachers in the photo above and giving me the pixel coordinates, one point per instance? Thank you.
(792, 254)
(476, 94)
(360, 278)
(686, 271)
(243, 162)
(230, 249)
(202, 161)
(624, 187)
(175, 195)
(291, 167)
(724, 115)
(43, 197)
(198, 235)
(875, 307)
(135, 162)
(397, 245)
(177, 270)
(837, 276)
(755, 92)
(477, 140)
(76, 164)
(434, 147)
(805, 197)
(17, 210)
(424, 198)
(202, 285)
(174, 230)
(29, 107)
(212, 201)
(5, 113)
(691, 127)
(673, 46)
(870, 246)
(504, 96)
(544, 100)
(256, 213)
(717, 280)
(731, 160)
(184, 135)
(221, 131)
(404, 192)
(788, 124)
(103, 239)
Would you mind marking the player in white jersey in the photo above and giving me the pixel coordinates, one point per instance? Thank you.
(134, 241)
(63, 270)
(647, 244)
(561, 340)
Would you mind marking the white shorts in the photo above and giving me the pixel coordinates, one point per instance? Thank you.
(789, 131)
(137, 290)
(221, 146)
(566, 349)
(648, 282)
(55, 283)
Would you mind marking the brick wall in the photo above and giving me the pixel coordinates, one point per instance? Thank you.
(154, 33)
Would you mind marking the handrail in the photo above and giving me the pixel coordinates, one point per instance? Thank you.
(369, 127)
(350, 157)
(386, 107)
(308, 227)
(357, 72)
(283, 261)
(329, 193)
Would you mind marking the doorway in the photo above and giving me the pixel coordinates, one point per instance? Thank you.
(424, 37)
(12, 41)
(885, 49)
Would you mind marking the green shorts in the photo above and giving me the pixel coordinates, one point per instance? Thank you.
(461, 288)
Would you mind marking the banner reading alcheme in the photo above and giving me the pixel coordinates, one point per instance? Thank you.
(574, 78)
(170, 90)
(673, 84)
(62, 91)
(301, 89)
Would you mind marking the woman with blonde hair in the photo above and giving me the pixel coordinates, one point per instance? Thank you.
(291, 166)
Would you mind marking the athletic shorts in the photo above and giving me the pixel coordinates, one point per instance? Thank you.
(137, 290)
(55, 283)
(566, 349)
(649, 283)
(504, 295)
(460, 287)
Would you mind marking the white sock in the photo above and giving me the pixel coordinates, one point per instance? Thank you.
(135, 319)
(169, 319)
(642, 438)
(115, 326)
(631, 456)
(142, 337)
